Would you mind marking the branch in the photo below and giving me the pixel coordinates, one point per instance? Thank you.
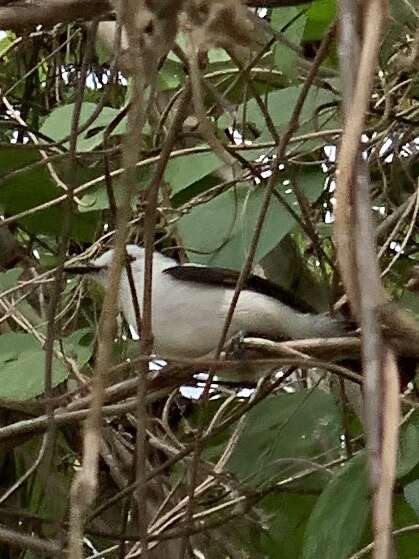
(19, 15)
(22, 15)
(30, 542)
(356, 252)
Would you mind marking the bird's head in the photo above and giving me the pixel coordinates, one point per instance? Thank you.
(98, 268)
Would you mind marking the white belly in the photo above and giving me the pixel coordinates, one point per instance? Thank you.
(187, 324)
(188, 318)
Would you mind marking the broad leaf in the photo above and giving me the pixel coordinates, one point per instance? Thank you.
(291, 22)
(220, 231)
(411, 494)
(47, 492)
(185, 170)
(58, 125)
(408, 445)
(79, 345)
(404, 515)
(28, 186)
(339, 518)
(288, 515)
(320, 15)
(280, 104)
(22, 367)
(9, 278)
(282, 429)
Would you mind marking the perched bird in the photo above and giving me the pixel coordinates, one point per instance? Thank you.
(190, 304)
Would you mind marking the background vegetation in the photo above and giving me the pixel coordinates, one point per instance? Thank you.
(279, 468)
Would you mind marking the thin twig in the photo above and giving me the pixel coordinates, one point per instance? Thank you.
(85, 483)
(154, 159)
(371, 546)
(356, 251)
(280, 155)
(30, 542)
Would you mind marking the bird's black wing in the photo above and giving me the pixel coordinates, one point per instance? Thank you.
(228, 278)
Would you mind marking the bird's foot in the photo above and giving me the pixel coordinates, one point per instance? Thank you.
(235, 348)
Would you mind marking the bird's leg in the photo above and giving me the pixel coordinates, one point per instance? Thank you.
(244, 370)
(234, 347)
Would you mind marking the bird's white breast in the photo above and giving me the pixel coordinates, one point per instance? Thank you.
(187, 318)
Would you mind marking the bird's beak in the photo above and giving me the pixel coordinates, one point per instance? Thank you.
(86, 269)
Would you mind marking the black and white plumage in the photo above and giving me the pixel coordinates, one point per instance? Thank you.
(190, 304)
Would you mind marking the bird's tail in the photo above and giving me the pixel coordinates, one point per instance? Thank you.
(326, 326)
(306, 326)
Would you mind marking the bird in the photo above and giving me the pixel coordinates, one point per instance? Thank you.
(190, 303)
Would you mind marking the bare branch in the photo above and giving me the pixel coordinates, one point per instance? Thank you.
(23, 15)
(356, 252)
(30, 542)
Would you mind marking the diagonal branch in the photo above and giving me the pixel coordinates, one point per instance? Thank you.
(357, 258)
(22, 15)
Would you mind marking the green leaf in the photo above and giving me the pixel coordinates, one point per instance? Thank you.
(6, 40)
(291, 22)
(32, 186)
(97, 199)
(47, 493)
(58, 125)
(280, 104)
(22, 367)
(400, 21)
(220, 231)
(94, 201)
(17, 192)
(185, 170)
(215, 55)
(79, 345)
(288, 514)
(406, 545)
(195, 189)
(411, 494)
(410, 301)
(319, 17)
(281, 429)
(9, 278)
(340, 516)
(408, 445)
(170, 76)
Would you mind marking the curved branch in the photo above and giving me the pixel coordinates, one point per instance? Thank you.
(21, 15)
